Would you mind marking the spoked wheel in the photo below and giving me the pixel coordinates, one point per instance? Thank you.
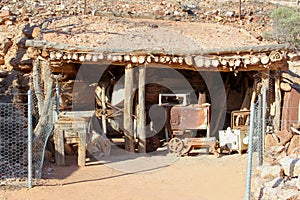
(187, 145)
(176, 145)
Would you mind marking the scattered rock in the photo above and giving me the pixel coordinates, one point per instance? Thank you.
(5, 14)
(3, 74)
(298, 183)
(291, 166)
(5, 45)
(271, 141)
(270, 172)
(294, 147)
(284, 136)
(278, 193)
(229, 14)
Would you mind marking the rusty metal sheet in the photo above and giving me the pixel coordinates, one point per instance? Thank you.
(189, 117)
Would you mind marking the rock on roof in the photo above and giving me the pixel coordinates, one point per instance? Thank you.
(145, 34)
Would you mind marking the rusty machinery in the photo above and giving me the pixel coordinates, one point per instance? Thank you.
(183, 120)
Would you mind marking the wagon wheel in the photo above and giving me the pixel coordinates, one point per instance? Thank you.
(187, 145)
(175, 145)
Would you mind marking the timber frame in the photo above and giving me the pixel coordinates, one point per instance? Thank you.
(251, 58)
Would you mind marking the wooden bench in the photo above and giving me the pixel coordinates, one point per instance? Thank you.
(70, 130)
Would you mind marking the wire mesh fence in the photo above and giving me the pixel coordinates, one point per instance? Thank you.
(13, 140)
(258, 124)
(24, 132)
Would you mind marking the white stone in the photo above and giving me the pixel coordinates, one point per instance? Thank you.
(291, 166)
(5, 8)
(176, 13)
(274, 183)
(298, 183)
(229, 14)
(278, 193)
(270, 172)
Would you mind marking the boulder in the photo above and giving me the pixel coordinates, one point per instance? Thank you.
(270, 172)
(294, 147)
(5, 14)
(6, 43)
(284, 136)
(298, 183)
(278, 193)
(271, 140)
(272, 154)
(291, 166)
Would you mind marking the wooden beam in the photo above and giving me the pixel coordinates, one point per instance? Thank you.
(103, 114)
(280, 65)
(37, 84)
(277, 103)
(141, 120)
(128, 111)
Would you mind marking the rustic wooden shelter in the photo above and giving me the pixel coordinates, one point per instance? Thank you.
(132, 46)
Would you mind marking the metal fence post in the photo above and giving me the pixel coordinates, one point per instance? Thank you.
(29, 138)
(250, 152)
(259, 130)
(264, 113)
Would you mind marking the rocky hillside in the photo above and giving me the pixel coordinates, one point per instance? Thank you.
(21, 20)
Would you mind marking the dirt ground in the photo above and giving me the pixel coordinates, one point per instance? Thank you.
(199, 176)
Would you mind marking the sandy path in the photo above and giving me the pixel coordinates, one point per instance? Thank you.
(200, 177)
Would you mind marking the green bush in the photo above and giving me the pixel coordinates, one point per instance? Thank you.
(286, 26)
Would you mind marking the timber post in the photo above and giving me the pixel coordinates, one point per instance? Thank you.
(141, 119)
(128, 111)
(103, 114)
(277, 103)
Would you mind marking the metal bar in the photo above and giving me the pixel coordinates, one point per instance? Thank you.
(29, 117)
(250, 152)
(264, 115)
(259, 130)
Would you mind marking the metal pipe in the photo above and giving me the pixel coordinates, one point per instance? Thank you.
(250, 152)
(259, 130)
(29, 145)
(264, 115)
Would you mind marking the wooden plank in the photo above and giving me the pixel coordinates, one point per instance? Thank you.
(103, 114)
(82, 145)
(59, 147)
(141, 120)
(128, 111)
(277, 102)
(36, 84)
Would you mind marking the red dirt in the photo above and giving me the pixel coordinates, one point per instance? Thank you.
(195, 177)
